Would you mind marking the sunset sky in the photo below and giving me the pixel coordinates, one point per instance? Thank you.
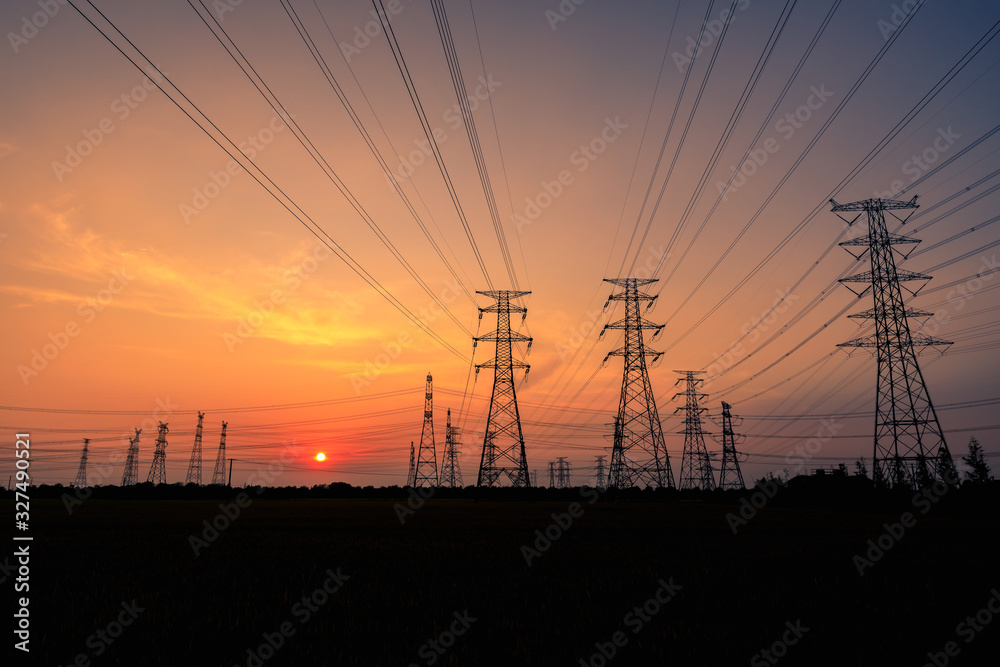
(145, 277)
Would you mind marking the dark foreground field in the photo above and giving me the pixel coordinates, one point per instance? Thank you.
(402, 586)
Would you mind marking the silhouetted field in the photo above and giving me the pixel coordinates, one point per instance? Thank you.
(738, 594)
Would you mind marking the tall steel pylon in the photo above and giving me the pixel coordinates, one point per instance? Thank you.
(81, 474)
(552, 475)
(194, 465)
(158, 471)
(503, 443)
(130, 476)
(600, 478)
(413, 465)
(730, 475)
(219, 473)
(696, 466)
(562, 473)
(451, 471)
(910, 447)
(639, 456)
(426, 471)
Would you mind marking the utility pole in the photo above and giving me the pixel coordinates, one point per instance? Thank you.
(130, 477)
(426, 472)
(81, 474)
(158, 471)
(909, 448)
(639, 456)
(230, 482)
(696, 466)
(503, 444)
(194, 466)
(730, 475)
(219, 473)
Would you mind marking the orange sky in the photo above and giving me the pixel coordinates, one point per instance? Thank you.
(138, 274)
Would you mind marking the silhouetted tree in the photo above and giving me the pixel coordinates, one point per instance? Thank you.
(860, 468)
(979, 470)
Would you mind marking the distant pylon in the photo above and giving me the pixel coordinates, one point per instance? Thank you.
(413, 465)
(426, 472)
(562, 473)
(639, 456)
(130, 477)
(910, 447)
(503, 442)
(158, 471)
(696, 467)
(81, 474)
(552, 474)
(599, 474)
(219, 473)
(451, 471)
(194, 466)
(730, 475)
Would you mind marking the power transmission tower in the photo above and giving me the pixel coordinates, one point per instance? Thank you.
(219, 473)
(730, 475)
(503, 443)
(639, 456)
(552, 474)
(194, 466)
(413, 465)
(601, 479)
(158, 471)
(696, 466)
(910, 448)
(131, 475)
(426, 472)
(562, 473)
(451, 472)
(81, 474)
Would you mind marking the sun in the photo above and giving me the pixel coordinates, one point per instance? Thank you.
(321, 456)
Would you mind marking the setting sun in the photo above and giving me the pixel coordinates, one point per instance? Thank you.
(321, 456)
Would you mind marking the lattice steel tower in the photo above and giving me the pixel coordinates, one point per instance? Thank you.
(81, 474)
(130, 477)
(451, 471)
(910, 448)
(158, 471)
(219, 473)
(426, 472)
(413, 465)
(599, 474)
(194, 465)
(639, 456)
(696, 466)
(730, 475)
(503, 443)
(562, 473)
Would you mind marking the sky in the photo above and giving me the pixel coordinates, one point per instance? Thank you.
(146, 276)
